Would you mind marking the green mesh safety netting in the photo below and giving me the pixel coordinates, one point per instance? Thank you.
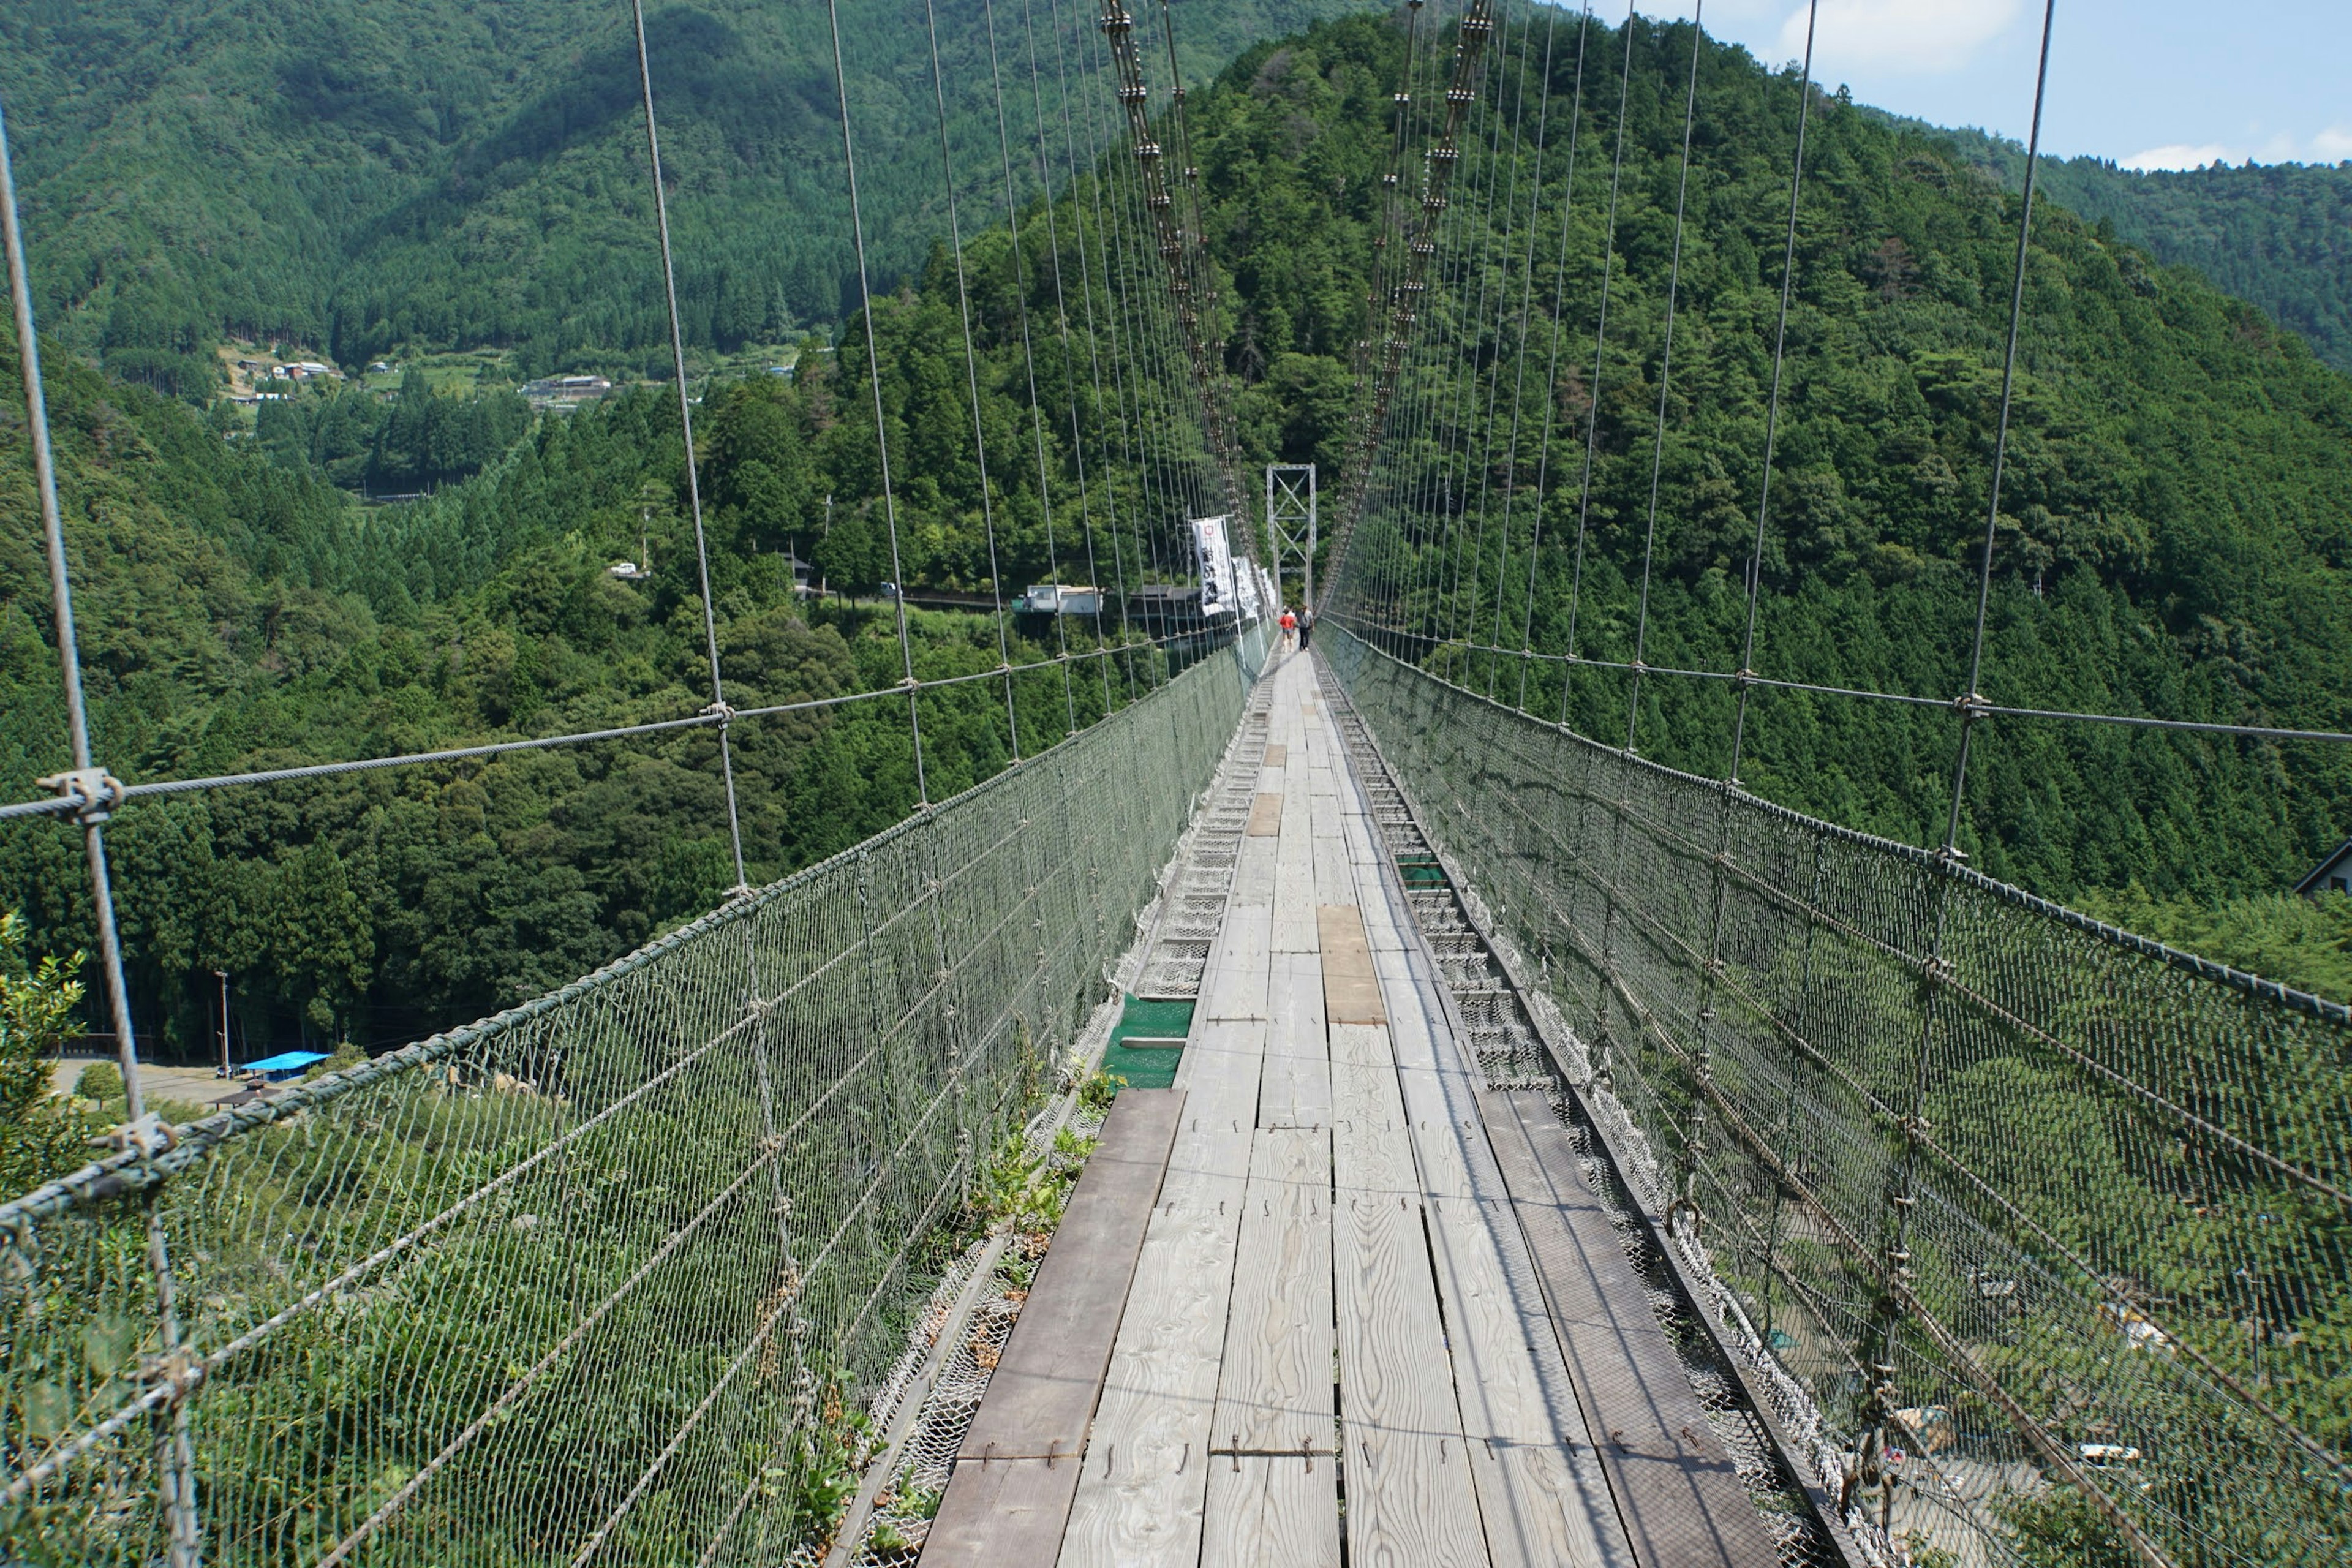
(2072, 1204)
(606, 1275)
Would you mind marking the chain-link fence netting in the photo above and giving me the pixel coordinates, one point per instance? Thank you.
(611, 1274)
(2065, 1213)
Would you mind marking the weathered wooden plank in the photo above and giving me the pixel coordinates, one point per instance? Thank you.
(1351, 991)
(1002, 1513)
(1234, 985)
(1411, 1496)
(1253, 883)
(1272, 1508)
(1548, 1504)
(1041, 1397)
(1266, 815)
(1274, 1394)
(1676, 1490)
(1296, 1090)
(1277, 754)
(1335, 872)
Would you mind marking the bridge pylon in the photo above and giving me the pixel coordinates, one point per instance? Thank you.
(1290, 521)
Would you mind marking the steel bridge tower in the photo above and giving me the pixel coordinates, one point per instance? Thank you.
(1290, 520)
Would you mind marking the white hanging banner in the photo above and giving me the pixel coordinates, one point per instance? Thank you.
(1217, 594)
(1253, 605)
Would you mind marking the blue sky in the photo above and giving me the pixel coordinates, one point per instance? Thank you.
(2152, 84)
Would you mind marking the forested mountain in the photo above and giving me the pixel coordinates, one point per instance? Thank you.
(2174, 539)
(2278, 235)
(360, 176)
(2177, 518)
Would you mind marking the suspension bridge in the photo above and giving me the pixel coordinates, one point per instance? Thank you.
(1530, 1152)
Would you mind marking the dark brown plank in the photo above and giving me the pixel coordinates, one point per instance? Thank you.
(1041, 1397)
(1681, 1500)
(1009, 1512)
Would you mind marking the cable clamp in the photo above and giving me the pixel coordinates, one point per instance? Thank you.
(910, 684)
(1743, 678)
(94, 792)
(721, 712)
(177, 1370)
(147, 1137)
(1972, 707)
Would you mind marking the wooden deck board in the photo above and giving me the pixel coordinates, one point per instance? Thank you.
(1411, 1495)
(1274, 1392)
(1351, 990)
(1041, 1397)
(1008, 1513)
(1269, 1509)
(1681, 1500)
(1296, 1090)
(1265, 815)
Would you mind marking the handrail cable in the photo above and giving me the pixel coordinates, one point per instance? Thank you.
(58, 806)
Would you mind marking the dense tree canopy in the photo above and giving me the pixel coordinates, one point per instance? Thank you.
(2173, 542)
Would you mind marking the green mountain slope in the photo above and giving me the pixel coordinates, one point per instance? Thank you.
(2278, 235)
(359, 175)
(2177, 518)
(2174, 540)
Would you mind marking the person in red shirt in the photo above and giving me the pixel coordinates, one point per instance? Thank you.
(1289, 629)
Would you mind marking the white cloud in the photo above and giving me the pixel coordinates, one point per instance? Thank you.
(1928, 36)
(2333, 145)
(2179, 155)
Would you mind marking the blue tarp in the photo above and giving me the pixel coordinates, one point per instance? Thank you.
(285, 1062)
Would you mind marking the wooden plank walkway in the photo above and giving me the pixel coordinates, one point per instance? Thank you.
(1343, 1292)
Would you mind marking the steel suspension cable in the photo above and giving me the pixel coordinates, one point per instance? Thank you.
(685, 431)
(1551, 368)
(92, 792)
(1666, 382)
(1600, 352)
(971, 374)
(1029, 365)
(1972, 697)
(1772, 404)
(1519, 353)
(881, 422)
(1500, 273)
(1093, 344)
(1061, 328)
(1464, 386)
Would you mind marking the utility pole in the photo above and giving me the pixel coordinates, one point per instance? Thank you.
(1290, 518)
(224, 1068)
